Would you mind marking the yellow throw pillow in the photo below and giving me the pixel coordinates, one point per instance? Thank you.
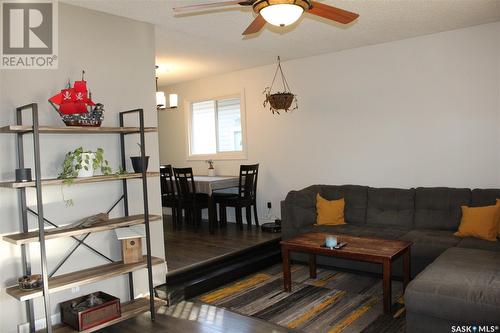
(479, 222)
(329, 212)
(498, 234)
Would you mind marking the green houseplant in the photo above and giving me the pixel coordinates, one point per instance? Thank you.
(83, 163)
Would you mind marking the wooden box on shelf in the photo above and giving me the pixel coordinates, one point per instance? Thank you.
(80, 316)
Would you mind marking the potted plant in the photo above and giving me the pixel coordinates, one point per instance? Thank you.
(83, 163)
(211, 169)
(136, 161)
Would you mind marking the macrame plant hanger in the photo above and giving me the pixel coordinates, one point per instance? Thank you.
(280, 100)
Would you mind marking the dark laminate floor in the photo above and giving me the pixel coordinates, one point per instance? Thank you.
(188, 246)
(195, 318)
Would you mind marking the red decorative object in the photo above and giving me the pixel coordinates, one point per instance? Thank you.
(89, 311)
(73, 100)
(75, 105)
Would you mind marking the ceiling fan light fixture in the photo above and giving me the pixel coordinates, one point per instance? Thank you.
(282, 14)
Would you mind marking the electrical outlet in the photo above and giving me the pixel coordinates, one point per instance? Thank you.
(269, 205)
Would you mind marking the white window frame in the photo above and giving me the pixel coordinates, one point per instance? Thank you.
(230, 155)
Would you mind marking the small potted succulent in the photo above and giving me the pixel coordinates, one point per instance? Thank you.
(136, 161)
(211, 169)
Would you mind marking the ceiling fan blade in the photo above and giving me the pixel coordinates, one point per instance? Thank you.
(255, 26)
(204, 6)
(332, 13)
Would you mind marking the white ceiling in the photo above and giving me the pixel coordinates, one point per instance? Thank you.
(194, 46)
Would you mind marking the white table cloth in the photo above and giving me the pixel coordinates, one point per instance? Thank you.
(208, 184)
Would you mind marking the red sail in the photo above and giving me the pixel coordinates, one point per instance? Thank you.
(73, 100)
(82, 94)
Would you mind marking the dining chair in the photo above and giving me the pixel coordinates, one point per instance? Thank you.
(169, 195)
(245, 198)
(189, 199)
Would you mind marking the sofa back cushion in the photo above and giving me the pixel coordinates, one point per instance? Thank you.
(484, 197)
(355, 197)
(390, 206)
(439, 207)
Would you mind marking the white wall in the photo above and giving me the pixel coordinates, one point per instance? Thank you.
(416, 112)
(118, 56)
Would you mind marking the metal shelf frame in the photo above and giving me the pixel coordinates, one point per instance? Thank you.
(24, 209)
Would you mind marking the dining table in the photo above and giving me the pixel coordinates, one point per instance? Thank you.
(210, 184)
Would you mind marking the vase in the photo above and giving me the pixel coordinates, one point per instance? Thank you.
(211, 172)
(137, 165)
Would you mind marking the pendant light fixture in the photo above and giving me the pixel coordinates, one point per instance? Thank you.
(161, 99)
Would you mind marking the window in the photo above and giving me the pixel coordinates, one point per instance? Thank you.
(216, 129)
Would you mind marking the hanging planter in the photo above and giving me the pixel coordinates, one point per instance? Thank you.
(285, 100)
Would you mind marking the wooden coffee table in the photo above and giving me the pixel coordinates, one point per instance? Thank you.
(374, 250)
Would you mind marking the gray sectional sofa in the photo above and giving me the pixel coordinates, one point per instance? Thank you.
(428, 217)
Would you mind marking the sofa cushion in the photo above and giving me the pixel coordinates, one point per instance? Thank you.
(484, 197)
(461, 285)
(427, 245)
(390, 206)
(439, 207)
(298, 210)
(362, 231)
(480, 244)
(355, 197)
(432, 237)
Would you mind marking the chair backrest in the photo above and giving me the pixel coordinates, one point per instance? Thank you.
(184, 181)
(247, 187)
(167, 180)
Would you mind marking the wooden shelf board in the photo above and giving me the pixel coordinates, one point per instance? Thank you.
(129, 310)
(86, 276)
(32, 236)
(94, 179)
(75, 129)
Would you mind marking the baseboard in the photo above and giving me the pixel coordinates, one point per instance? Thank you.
(39, 324)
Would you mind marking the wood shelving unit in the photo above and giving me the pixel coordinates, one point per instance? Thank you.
(75, 130)
(129, 310)
(85, 180)
(55, 283)
(32, 236)
(78, 278)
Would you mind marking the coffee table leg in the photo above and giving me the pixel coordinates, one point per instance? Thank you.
(387, 286)
(406, 268)
(287, 276)
(312, 266)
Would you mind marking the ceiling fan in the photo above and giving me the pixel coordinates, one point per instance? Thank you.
(278, 12)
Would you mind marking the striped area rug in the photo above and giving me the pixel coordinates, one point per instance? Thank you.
(333, 302)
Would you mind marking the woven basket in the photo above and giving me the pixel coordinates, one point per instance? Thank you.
(281, 101)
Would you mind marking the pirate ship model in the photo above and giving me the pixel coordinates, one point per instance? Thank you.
(75, 105)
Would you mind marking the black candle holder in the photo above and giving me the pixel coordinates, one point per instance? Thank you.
(23, 175)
